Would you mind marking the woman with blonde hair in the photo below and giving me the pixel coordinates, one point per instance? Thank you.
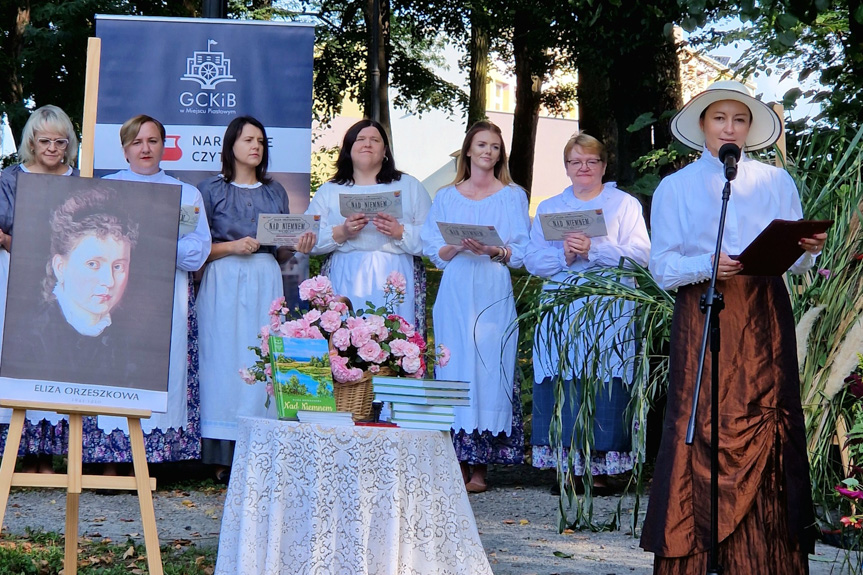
(474, 312)
(585, 160)
(48, 146)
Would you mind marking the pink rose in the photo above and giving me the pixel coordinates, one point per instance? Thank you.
(398, 347)
(353, 322)
(418, 340)
(369, 351)
(411, 364)
(331, 320)
(291, 329)
(397, 281)
(374, 368)
(265, 340)
(313, 333)
(312, 316)
(354, 374)
(404, 326)
(268, 370)
(360, 335)
(338, 306)
(277, 305)
(412, 351)
(382, 357)
(247, 376)
(444, 355)
(341, 338)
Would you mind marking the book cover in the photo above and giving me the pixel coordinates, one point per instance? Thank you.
(423, 425)
(302, 379)
(441, 410)
(381, 380)
(420, 392)
(379, 396)
(399, 415)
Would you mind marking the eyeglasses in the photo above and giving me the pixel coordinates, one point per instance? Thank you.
(589, 164)
(61, 143)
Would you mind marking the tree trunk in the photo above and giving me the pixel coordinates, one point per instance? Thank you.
(595, 116)
(383, 53)
(479, 41)
(528, 93)
(854, 43)
(13, 87)
(647, 80)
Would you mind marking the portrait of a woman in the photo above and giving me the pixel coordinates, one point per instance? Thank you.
(87, 272)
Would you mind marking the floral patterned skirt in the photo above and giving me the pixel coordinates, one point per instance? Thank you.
(486, 447)
(40, 438)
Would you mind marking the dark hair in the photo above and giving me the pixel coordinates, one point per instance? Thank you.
(96, 212)
(345, 166)
(501, 170)
(233, 131)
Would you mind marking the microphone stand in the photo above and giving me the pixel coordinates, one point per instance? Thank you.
(712, 303)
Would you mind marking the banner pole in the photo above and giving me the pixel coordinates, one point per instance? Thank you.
(91, 98)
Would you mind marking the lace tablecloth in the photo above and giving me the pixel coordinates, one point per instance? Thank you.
(309, 499)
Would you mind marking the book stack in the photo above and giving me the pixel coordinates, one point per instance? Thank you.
(326, 417)
(421, 403)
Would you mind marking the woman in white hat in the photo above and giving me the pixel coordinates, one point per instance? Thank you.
(765, 503)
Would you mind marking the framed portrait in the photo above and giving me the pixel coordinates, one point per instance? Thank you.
(91, 286)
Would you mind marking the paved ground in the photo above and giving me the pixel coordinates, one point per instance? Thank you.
(517, 520)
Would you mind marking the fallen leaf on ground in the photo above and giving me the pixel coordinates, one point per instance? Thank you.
(563, 555)
(509, 521)
(523, 521)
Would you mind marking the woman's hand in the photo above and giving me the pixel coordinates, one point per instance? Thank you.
(481, 249)
(727, 266)
(389, 226)
(306, 242)
(353, 225)
(245, 246)
(574, 245)
(814, 244)
(5, 241)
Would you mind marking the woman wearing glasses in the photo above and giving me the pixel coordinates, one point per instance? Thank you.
(48, 146)
(585, 160)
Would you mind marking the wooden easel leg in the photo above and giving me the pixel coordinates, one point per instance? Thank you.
(145, 498)
(73, 492)
(10, 456)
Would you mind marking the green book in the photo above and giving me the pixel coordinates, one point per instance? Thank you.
(302, 379)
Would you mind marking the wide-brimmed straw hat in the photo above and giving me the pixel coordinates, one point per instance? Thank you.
(766, 125)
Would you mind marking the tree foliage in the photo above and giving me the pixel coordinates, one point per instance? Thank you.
(814, 40)
(44, 50)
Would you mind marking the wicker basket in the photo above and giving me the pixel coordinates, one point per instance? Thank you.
(357, 396)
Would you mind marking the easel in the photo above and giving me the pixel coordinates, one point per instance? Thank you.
(73, 480)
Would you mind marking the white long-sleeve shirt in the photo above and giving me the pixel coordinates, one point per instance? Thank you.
(627, 237)
(684, 217)
(193, 248)
(415, 206)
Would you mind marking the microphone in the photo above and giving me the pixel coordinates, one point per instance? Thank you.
(729, 154)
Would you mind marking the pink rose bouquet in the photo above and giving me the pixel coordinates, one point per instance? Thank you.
(365, 340)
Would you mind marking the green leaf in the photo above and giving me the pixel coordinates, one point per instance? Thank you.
(642, 121)
(787, 38)
(786, 21)
(563, 555)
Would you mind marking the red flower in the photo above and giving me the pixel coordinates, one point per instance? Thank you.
(852, 521)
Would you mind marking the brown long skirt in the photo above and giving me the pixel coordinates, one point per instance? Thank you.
(765, 503)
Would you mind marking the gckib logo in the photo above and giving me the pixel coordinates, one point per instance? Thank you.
(209, 69)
